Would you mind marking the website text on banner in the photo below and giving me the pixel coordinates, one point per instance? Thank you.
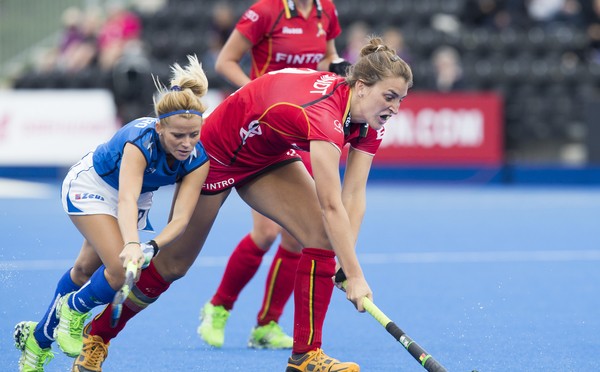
(456, 129)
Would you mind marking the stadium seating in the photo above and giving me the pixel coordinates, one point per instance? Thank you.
(535, 68)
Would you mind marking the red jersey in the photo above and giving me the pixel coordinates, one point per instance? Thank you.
(268, 120)
(281, 37)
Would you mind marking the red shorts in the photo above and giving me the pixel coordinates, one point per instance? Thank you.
(305, 155)
(222, 177)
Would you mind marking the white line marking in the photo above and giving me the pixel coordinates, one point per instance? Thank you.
(368, 259)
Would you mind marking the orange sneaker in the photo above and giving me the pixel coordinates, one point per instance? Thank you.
(92, 355)
(318, 361)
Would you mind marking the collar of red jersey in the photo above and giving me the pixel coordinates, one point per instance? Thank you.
(291, 11)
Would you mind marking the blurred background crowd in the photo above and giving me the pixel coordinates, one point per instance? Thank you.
(541, 56)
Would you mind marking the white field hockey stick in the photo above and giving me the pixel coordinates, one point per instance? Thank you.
(121, 295)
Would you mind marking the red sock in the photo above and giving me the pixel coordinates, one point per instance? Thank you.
(242, 266)
(312, 293)
(145, 292)
(279, 287)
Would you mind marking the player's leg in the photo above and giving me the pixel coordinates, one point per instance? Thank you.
(278, 288)
(288, 195)
(240, 269)
(102, 241)
(34, 339)
(171, 263)
(245, 260)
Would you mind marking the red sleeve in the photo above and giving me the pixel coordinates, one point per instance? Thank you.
(334, 25)
(326, 126)
(370, 144)
(255, 22)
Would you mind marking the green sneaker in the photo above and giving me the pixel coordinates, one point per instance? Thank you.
(270, 336)
(33, 358)
(212, 324)
(69, 332)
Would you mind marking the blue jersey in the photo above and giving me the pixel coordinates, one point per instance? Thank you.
(142, 133)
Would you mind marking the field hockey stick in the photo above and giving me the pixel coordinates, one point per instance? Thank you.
(414, 349)
(121, 295)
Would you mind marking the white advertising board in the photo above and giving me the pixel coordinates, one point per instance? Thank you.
(53, 127)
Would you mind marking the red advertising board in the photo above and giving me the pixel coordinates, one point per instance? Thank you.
(444, 129)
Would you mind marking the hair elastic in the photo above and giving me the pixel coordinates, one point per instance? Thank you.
(176, 88)
(194, 112)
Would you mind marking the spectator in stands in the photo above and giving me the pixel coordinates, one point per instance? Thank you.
(448, 73)
(495, 15)
(394, 38)
(77, 48)
(356, 35)
(591, 10)
(221, 26)
(571, 14)
(222, 21)
(543, 11)
(84, 51)
(121, 31)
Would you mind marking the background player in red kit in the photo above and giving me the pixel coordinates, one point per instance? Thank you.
(278, 34)
(253, 139)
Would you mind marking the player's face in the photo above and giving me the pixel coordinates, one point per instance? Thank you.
(179, 135)
(380, 101)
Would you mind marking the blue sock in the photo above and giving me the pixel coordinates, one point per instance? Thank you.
(95, 292)
(44, 331)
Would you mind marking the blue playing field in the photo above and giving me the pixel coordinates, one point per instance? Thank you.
(491, 278)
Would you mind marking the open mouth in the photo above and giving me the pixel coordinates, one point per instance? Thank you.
(384, 118)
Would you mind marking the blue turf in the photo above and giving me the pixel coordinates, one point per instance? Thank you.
(490, 278)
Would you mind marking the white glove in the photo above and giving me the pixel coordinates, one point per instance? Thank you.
(149, 250)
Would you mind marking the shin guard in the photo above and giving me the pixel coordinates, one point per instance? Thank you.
(147, 290)
(312, 294)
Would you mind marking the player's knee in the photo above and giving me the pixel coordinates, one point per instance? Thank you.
(173, 269)
(115, 276)
(288, 242)
(316, 238)
(81, 273)
(265, 235)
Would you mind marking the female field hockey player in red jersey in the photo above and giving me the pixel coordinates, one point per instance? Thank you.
(278, 34)
(253, 139)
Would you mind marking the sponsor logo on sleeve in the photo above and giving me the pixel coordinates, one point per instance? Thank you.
(251, 15)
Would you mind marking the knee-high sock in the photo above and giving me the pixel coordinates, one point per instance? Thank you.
(44, 331)
(312, 294)
(95, 292)
(241, 267)
(147, 290)
(279, 286)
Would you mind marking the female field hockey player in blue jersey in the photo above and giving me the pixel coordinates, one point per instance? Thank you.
(108, 195)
